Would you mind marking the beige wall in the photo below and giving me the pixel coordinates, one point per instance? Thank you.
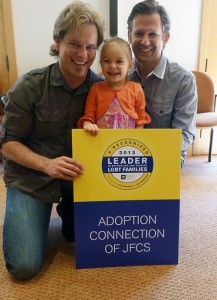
(33, 22)
(33, 25)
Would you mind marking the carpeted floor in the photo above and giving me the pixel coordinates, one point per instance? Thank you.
(195, 277)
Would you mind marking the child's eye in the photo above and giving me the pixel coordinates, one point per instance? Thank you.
(120, 62)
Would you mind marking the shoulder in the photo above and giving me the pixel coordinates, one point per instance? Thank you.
(134, 86)
(180, 77)
(175, 68)
(31, 82)
(100, 85)
(99, 88)
(33, 76)
(40, 73)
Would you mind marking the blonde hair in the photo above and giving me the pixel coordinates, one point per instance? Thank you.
(117, 40)
(75, 15)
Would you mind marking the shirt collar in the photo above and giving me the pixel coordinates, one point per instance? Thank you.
(57, 79)
(158, 71)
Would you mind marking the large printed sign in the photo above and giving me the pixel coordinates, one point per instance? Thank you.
(127, 202)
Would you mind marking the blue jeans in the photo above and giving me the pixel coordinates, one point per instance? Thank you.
(25, 233)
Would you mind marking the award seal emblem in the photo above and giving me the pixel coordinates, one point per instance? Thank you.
(127, 164)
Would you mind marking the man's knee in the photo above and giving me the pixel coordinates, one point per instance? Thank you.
(23, 271)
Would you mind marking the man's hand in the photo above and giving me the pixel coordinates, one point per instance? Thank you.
(64, 168)
(61, 167)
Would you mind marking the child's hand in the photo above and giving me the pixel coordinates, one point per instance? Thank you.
(91, 128)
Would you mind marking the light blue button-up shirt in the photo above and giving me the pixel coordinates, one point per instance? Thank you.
(171, 98)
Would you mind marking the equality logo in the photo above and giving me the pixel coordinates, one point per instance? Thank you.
(127, 164)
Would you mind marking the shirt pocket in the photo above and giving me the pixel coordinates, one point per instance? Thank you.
(49, 123)
(45, 115)
(162, 108)
(161, 114)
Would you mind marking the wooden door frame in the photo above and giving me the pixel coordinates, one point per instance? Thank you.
(9, 36)
(206, 11)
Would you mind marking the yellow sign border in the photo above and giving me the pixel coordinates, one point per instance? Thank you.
(164, 182)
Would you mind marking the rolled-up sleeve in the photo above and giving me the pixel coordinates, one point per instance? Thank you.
(18, 118)
(185, 108)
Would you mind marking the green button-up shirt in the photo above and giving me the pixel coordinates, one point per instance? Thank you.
(41, 110)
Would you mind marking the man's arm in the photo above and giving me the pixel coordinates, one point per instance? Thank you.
(61, 167)
(185, 109)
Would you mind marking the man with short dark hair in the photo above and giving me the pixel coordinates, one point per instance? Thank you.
(170, 90)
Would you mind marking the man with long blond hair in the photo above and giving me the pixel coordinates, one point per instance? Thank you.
(42, 108)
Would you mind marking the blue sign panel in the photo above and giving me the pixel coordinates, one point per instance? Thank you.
(126, 233)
